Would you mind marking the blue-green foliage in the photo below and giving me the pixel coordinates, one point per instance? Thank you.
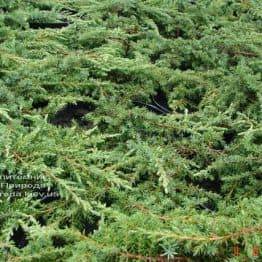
(143, 118)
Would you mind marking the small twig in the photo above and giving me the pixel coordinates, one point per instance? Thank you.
(152, 259)
(243, 231)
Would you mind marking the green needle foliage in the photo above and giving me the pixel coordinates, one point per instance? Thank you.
(130, 130)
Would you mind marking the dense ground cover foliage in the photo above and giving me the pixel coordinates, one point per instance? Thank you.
(130, 130)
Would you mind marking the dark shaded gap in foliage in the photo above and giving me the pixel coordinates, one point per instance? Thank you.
(68, 10)
(50, 160)
(186, 65)
(158, 103)
(91, 224)
(58, 241)
(19, 237)
(107, 199)
(43, 25)
(229, 136)
(49, 87)
(214, 185)
(47, 195)
(161, 101)
(257, 139)
(41, 220)
(179, 32)
(155, 56)
(40, 103)
(76, 111)
(26, 122)
(4, 9)
(141, 179)
(193, 2)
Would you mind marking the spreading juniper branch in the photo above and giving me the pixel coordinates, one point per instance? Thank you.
(159, 154)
